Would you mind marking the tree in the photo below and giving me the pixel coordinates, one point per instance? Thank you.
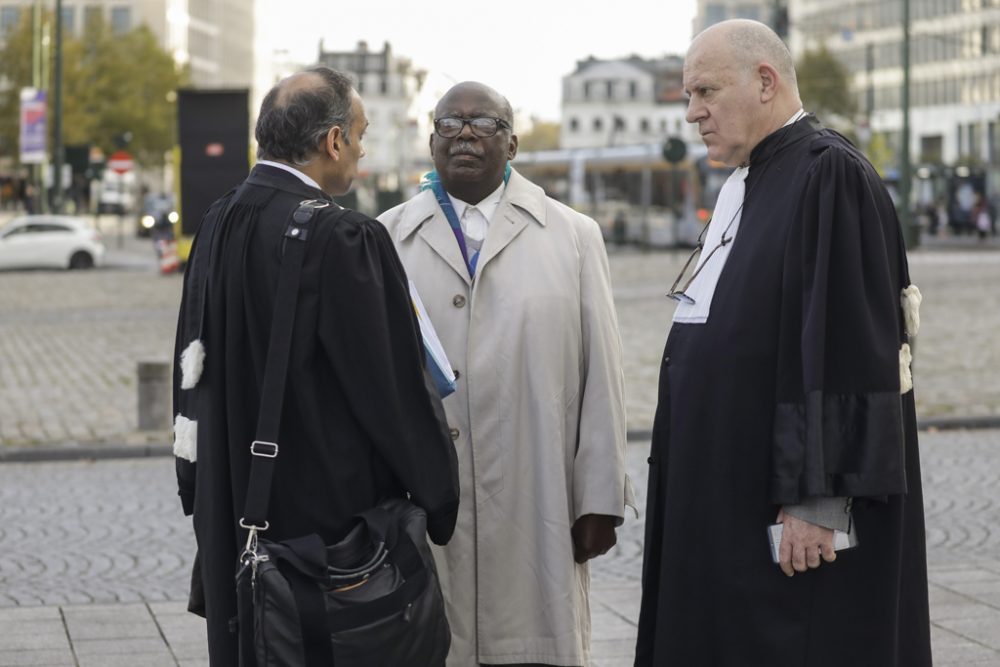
(544, 135)
(824, 86)
(112, 85)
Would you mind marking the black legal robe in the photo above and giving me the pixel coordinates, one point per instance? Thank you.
(358, 423)
(791, 389)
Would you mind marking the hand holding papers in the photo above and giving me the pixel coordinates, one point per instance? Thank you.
(437, 360)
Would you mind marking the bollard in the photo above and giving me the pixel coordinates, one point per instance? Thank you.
(154, 395)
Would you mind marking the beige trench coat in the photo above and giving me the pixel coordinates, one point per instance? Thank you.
(538, 417)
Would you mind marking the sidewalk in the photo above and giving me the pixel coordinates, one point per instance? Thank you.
(133, 571)
(93, 569)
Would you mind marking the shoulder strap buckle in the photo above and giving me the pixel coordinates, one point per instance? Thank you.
(297, 228)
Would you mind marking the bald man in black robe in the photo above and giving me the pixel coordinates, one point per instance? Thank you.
(785, 396)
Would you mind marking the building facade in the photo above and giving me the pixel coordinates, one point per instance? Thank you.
(396, 151)
(624, 102)
(214, 38)
(710, 12)
(954, 70)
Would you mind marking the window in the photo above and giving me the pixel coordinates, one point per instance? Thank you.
(633, 89)
(574, 125)
(714, 14)
(598, 124)
(9, 18)
(48, 227)
(92, 14)
(69, 20)
(586, 89)
(611, 90)
(644, 125)
(121, 20)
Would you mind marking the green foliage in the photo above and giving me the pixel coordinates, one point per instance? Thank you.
(544, 135)
(824, 86)
(112, 85)
(880, 153)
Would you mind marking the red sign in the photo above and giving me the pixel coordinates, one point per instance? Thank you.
(121, 162)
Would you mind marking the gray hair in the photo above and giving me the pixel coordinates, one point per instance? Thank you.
(295, 118)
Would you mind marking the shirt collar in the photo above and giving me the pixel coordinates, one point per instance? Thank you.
(798, 115)
(488, 206)
(305, 178)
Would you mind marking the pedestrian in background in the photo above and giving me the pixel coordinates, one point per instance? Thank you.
(981, 217)
(358, 424)
(785, 396)
(518, 288)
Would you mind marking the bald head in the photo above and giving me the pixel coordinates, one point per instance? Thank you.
(479, 90)
(299, 111)
(472, 163)
(740, 81)
(747, 45)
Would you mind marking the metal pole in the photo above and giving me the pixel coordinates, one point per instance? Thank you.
(36, 171)
(57, 148)
(870, 93)
(905, 175)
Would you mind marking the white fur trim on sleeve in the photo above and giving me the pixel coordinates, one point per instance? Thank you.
(185, 438)
(910, 299)
(905, 375)
(192, 363)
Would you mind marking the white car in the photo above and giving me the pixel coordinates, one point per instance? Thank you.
(50, 241)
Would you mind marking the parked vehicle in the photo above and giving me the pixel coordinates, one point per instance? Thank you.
(116, 193)
(50, 241)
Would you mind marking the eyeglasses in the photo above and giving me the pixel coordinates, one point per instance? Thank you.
(680, 295)
(450, 127)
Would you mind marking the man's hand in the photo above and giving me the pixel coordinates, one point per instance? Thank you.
(593, 535)
(803, 544)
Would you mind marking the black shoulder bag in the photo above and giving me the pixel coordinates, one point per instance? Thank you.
(372, 598)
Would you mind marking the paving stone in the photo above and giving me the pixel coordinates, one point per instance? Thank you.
(41, 658)
(111, 534)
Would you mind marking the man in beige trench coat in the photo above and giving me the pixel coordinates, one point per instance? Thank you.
(518, 288)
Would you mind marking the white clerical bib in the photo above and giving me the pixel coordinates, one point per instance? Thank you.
(725, 220)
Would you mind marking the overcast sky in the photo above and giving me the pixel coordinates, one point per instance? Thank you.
(522, 48)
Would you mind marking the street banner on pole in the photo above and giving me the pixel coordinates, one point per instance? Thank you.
(33, 133)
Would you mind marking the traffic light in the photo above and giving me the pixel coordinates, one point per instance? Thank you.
(674, 150)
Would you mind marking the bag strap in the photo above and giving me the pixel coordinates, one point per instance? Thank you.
(264, 448)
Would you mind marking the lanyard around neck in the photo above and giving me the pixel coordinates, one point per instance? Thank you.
(432, 181)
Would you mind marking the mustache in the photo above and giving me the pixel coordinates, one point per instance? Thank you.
(464, 148)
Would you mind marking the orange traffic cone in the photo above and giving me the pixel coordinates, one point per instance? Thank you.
(168, 257)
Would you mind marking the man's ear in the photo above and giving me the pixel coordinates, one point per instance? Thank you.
(333, 142)
(769, 80)
(512, 147)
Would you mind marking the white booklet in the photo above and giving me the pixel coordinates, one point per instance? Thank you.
(437, 360)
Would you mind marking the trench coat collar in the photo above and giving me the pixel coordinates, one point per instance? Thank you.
(522, 203)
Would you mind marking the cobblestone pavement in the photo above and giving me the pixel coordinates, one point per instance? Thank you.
(111, 534)
(957, 354)
(95, 557)
(70, 341)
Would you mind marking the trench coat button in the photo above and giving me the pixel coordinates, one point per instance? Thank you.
(666, 360)
(457, 374)
(453, 433)
(458, 301)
